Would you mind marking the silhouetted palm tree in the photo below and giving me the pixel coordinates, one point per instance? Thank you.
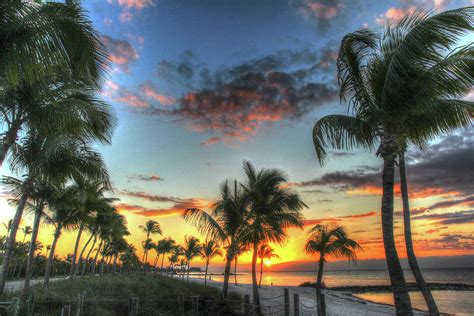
(224, 224)
(265, 252)
(329, 241)
(191, 249)
(402, 88)
(151, 227)
(26, 231)
(209, 250)
(273, 208)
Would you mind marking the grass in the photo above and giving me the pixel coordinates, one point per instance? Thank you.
(110, 294)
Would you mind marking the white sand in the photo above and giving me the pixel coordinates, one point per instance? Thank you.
(338, 303)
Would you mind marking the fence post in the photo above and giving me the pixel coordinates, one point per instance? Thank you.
(246, 305)
(195, 300)
(181, 302)
(133, 306)
(66, 310)
(296, 302)
(323, 302)
(80, 304)
(14, 309)
(286, 294)
(30, 305)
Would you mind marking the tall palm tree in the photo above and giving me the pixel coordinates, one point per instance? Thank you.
(238, 249)
(209, 250)
(329, 241)
(191, 249)
(26, 231)
(40, 55)
(402, 89)
(224, 223)
(167, 246)
(8, 227)
(175, 256)
(55, 157)
(265, 252)
(273, 208)
(151, 227)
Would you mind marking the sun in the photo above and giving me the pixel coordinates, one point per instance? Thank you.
(267, 262)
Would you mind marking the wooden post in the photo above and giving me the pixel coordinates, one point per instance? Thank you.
(323, 302)
(195, 300)
(246, 305)
(286, 294)
(66, 310)
(14, 309)
(133, 306)
(296, 302)
(181, 303)
(80, 304)
(30, 305)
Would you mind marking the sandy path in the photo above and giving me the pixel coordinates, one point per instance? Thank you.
(338, 303)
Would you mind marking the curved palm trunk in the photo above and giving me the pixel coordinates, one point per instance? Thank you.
(81, 255)
(162, 261)
(11, 241)
(228, 262)
(261, 273)
(10, 138)
(31, 251)
(320, 303)
(256, 296)
(397, 279)
(49, 265)
(187, 274)
(420, 281)
(155, 262)
(114, 269)
(205, 274)
(76, 248)
(94, 263)
(83, 272)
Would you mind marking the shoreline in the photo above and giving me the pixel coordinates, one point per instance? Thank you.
(338, 302)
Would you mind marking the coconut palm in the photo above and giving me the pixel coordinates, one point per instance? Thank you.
(329, 242)
(40, 57)
(167, 245)
(56, 158)
(273, 208)
(402, 89)
(26, 231)
(175, 256)
(265, 252)
(151, 227)
(224, 223)
(191, 249)
(238, 250)
(209, 250)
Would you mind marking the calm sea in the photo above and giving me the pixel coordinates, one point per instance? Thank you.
(453, 302)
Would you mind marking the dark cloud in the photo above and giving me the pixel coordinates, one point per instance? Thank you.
(311, 222)
(145, 177)
(453, 218)
(151, 197)
(446, 204)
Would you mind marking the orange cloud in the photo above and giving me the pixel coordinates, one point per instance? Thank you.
(311, 222)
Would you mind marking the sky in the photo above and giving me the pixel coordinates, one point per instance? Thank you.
(201, 86)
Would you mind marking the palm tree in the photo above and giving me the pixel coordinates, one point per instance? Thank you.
(191, 249)
(151, 227)
(329, 241)
(238, 250)
(55, 158)
(8, 227)
(273, 208)
(403, 89)
(265, 252)
(26, 231)
(175, 257)
(168, 244)
(40, 56)
(209, 250)
(224, 224)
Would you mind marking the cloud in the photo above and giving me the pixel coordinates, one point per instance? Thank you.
(312, 222)
(144, 177)
(395, 14)
(121, 52)
(131, 8)
(468, 201)
(453, 218)
(139, 98)
(236, 103)
(321, 12)
(150, 91)
(151, 197)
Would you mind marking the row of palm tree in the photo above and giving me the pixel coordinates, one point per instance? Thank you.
(53, 64)
(405, 87)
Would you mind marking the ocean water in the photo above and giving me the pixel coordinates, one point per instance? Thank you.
(452, 302)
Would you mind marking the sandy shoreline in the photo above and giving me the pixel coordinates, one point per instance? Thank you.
(338, 303)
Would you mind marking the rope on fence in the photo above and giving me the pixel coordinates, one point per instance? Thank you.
(308, 307)
(271, 298)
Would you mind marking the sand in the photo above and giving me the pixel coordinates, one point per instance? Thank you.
(338, 303)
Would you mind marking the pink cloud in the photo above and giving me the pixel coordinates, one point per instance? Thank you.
(121, 52)
(131, 8)
(149, 91)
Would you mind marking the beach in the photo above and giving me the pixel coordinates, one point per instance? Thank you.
(338, 303)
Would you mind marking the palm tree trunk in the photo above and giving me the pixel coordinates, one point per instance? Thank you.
(96, 256)
(49, 265)
(189, 267)
(235, 269)
(155, 262)
(205, 274)
(11, 240)
(256, 296)
(261, 273)
(83, 272)
(74, 254)
(10, 138)
(31, 251)
(228, 262)
(81, 258)
(321, 306)
(162, 261)
(397, 279)
(420, 281)
(114, 269)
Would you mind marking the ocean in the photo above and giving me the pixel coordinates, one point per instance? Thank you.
(452, 302)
